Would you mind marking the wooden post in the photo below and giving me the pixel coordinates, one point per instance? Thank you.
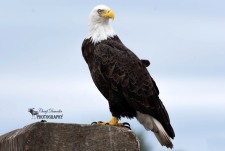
(69, 137)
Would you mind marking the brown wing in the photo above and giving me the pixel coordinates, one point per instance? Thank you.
(127, 74)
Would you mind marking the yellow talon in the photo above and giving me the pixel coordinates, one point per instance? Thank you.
(113, 122)
(101, 123)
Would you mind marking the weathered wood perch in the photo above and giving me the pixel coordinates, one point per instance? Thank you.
(69, 137)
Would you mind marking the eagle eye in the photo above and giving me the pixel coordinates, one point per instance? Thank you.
(100, 11)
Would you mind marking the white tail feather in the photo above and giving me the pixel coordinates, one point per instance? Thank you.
(150, 123)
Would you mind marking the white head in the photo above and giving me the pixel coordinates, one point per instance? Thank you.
(99, 28)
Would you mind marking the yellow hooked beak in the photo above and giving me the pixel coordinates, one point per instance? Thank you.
(108, 14)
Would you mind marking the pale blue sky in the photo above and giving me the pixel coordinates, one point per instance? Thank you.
(41, 64)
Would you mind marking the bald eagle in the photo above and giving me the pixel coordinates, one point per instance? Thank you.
(123, 78)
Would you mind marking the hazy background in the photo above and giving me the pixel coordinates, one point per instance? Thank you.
(41, 64)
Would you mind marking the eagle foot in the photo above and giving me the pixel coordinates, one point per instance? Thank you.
(112, 122)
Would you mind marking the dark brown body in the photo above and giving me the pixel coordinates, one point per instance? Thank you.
(124, 81)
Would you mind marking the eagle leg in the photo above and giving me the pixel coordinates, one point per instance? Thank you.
(113, 122)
